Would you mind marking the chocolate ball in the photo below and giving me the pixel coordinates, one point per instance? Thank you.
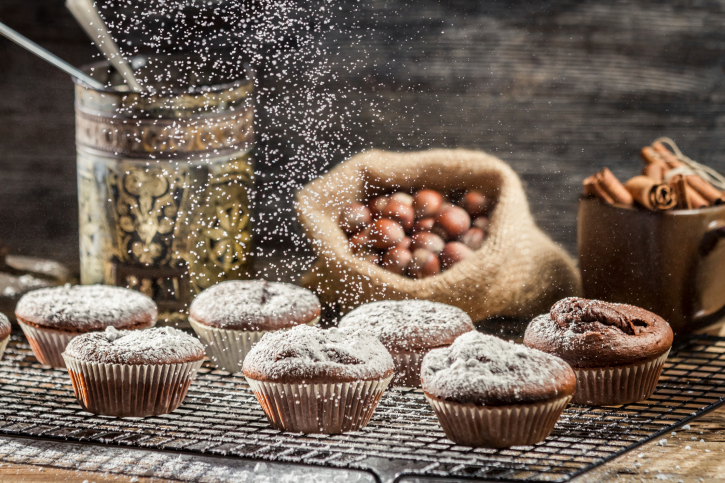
(377, 205)
(424, 224)
(427, 203)
(385, 233)
(403, 198)
(429, 241)
(482, 224)
(473, 238)
(397, 259)
(453, 253)
(423, 264)
(452, 222)
(475, 203)
(360, 241)
(400, 212)
(404, 243)
(354, 217)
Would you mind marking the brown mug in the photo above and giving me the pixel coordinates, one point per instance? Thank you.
(671, 262)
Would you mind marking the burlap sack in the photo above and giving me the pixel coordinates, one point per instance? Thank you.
(518, 272)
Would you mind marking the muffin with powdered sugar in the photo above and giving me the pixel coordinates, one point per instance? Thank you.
(5, 329)
(133, 373)
(51, 317)
(492, 393)
(409, 329)
(312, 380)
(232, 316)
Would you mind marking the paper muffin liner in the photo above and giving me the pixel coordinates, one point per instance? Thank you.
(226, 349)
(612, 386)
(497, 426)
(4, 345)
(49, 344)
(407, 368)
(319, 408)
(126, 390)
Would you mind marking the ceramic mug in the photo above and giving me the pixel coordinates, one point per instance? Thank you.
(671, 263)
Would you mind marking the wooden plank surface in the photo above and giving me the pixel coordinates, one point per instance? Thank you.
(692, 455)
(556, 88)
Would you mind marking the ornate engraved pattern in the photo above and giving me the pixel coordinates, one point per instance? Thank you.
(222, 229)
(146, 201)
(141, 137)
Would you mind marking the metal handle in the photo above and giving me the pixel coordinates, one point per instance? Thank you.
(36, 49)
(93, 24)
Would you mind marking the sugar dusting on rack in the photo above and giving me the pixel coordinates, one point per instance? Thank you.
(221, 417)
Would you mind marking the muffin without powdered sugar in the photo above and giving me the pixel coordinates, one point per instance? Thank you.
(232, 316)
(312, 380)
(492, 393)
(617, 351)
(409, 329)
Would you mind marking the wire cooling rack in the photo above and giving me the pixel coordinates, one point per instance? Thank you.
(220, 416)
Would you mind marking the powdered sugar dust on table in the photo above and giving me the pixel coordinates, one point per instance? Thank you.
(220, 417)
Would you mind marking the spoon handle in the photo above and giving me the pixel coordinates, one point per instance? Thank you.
(86, 14)
(47, 56)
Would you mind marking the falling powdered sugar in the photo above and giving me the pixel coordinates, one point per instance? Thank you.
(483, 369)
(86, 307)
(410, 324)
(310, 354)
(159, 345)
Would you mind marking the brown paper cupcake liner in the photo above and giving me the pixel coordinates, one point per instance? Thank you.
(227, 349)
(497, 426)
(319, 408)
(48, 344)
(4, 345)
(407, 368)
(612, 386)
(126, 390)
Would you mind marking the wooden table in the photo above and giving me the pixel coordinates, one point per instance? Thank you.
(692, 455)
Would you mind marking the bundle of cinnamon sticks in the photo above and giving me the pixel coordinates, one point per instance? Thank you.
(666, 183)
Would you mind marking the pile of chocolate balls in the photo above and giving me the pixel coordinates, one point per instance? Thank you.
(417, 235)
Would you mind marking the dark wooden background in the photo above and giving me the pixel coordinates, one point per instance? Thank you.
(555, 88)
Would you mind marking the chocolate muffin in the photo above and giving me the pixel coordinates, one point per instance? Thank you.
(492, 393)
(409, 329)
(5, 330)
(51, 317)
(232, 316)
(318, 381)
(617, 351)
(133, 373)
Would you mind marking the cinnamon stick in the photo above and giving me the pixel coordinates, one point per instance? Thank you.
(593, 188)
(687, 197)
(614, 188)
(650, 194)
(655, 171)
(650, 156)
(712, 195)
(667, 155)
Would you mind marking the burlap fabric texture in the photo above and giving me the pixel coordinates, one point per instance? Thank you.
(518, 272)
